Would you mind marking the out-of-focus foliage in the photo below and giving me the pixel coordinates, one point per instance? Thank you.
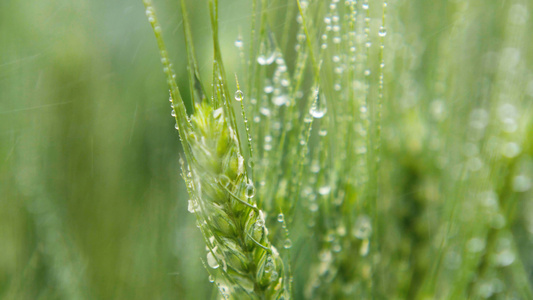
(92, 205)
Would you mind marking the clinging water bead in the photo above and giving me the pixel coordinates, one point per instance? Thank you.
(281, 217)
(250, 190)
(318, 108)
(239, 95)
(267, 52)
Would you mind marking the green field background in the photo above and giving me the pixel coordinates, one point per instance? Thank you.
(92, 205)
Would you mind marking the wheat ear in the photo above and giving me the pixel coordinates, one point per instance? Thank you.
(246, 265)
(222, 198)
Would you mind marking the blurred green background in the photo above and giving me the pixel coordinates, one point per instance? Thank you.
(92, 205)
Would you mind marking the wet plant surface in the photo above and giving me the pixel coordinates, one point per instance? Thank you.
(312, 149)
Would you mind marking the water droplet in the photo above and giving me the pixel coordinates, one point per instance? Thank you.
(365, 5)
(438, 109)
(281, 218)
(521, 183)
(269, 266)
(382, 31)
(324, 190)
(268, 87)
(264, 111)
(193, 206)
(267, 53)
(177, 126)
(511, 150)
(318, 108)
(489, 199)
(239, 95)
(367, 72)
(475, 245)
(287, 244)
(250, 190)
(362, 228)
(336, 247)
(485, 289)
(238, 43)
(223, 289)
(274, 276)
(509, 125)
(173, 113)
(211, 278)
(280, 100)
(325, 256)
(505, 258)
(479, 118)
(341, 230)
(211, 261)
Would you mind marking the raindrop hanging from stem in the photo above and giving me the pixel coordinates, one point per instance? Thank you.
(267, 53)
(318, 108)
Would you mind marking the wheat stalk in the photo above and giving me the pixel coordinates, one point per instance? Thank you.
(222, 193)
